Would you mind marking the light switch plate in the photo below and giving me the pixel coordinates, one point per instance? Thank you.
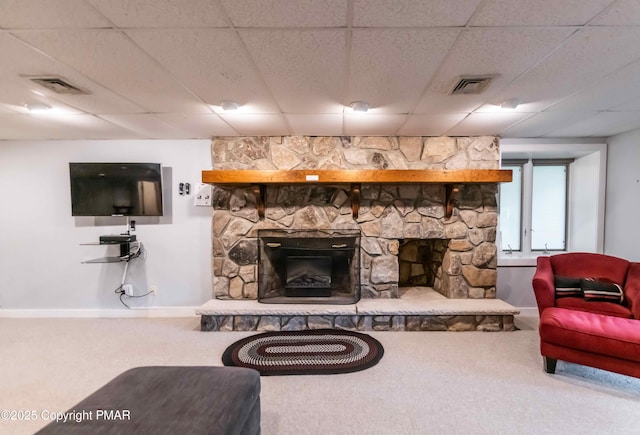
(202, 198)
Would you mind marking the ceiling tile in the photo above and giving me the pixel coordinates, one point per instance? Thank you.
(47, 14)
(508, 52)
(121, 67)
(322, 124)
(630, 106)
(304, 69)
(5, 108)
(411, 13)
(148, 126)
(155, 13)
(612, 90)
(621, 13)
(367, 124)
(391, 68)
(198, 126)
(22, 62)
(434, 104)
(249, 124)
(541, 124)
(430, 125)
(209, 62)
(602, 124)
(287, 13)
(538, 13)
(479, 124)
(583, 60)
(53, 127)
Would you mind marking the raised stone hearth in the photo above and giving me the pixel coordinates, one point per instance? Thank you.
(407, 239)
(419, 309)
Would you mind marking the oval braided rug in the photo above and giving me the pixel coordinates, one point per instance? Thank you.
(314, 352)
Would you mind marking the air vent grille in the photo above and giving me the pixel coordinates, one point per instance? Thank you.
(59, 86)
(465, 85)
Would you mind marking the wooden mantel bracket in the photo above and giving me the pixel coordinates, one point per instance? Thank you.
(355, 200)
(450, 193)
(260, 192)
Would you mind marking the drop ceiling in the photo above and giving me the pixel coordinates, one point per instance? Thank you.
(160, 69)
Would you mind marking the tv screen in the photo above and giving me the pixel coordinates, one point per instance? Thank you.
(116, 189)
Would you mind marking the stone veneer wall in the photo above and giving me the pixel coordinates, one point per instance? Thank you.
(388, 213)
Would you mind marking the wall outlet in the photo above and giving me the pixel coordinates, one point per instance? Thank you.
(154, 289)
(203, 195)
(128, 289)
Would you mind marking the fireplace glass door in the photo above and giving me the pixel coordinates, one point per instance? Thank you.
(302, 266)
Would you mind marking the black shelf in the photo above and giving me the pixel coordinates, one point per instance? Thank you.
(125, 249)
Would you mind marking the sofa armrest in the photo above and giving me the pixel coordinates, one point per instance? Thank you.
(543, 284)
(632, 289)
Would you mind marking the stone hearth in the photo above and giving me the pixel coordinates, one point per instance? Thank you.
(418, 309)
(462, 255)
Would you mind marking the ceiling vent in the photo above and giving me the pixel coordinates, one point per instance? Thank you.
(59, 86)
(465, 85)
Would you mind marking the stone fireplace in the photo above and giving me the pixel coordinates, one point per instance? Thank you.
(406, 239)
(388, 214)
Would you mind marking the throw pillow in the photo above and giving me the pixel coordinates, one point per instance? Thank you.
(601, 290)
(567, 287)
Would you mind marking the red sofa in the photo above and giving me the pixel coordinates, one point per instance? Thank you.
(582, 325)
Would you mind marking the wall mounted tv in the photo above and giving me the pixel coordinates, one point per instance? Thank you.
(116, 189)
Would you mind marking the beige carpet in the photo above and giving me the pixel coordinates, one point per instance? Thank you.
(426, 383)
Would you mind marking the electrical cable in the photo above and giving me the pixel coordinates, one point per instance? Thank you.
(133, 253)
(138, 296)
(123, 302)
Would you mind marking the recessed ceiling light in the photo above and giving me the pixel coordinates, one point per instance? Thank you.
(37, 107)
(511, 103)
(229, 106)
(360, 106)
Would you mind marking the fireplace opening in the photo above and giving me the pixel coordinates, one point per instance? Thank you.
(300, 266)
(420, 261)
(304, 273)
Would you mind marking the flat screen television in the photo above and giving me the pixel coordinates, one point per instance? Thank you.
(116, 189)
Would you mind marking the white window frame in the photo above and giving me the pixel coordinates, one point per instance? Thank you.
(585, 194)
(526, 204)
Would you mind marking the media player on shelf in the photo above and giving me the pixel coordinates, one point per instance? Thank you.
(118, 238)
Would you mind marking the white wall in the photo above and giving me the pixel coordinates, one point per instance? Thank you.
(40, 242)
(514, 286)
(622, 238)
(587, 202)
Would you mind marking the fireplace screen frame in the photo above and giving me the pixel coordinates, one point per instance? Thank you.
(276, 246)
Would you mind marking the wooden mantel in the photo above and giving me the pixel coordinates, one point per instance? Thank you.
(259, 179)
(346, 176)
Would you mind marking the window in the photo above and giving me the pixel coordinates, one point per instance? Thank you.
(534, 206)
(511, 209)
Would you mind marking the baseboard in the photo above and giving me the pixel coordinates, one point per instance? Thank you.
(99, 313)
(528, 311)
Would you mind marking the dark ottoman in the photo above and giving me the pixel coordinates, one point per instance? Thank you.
(169, 400)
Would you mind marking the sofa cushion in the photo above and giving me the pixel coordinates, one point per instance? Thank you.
(567, 287)
(601, 290)
(589, 332)
(606, 308)
(632, 289)
(588, 265)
